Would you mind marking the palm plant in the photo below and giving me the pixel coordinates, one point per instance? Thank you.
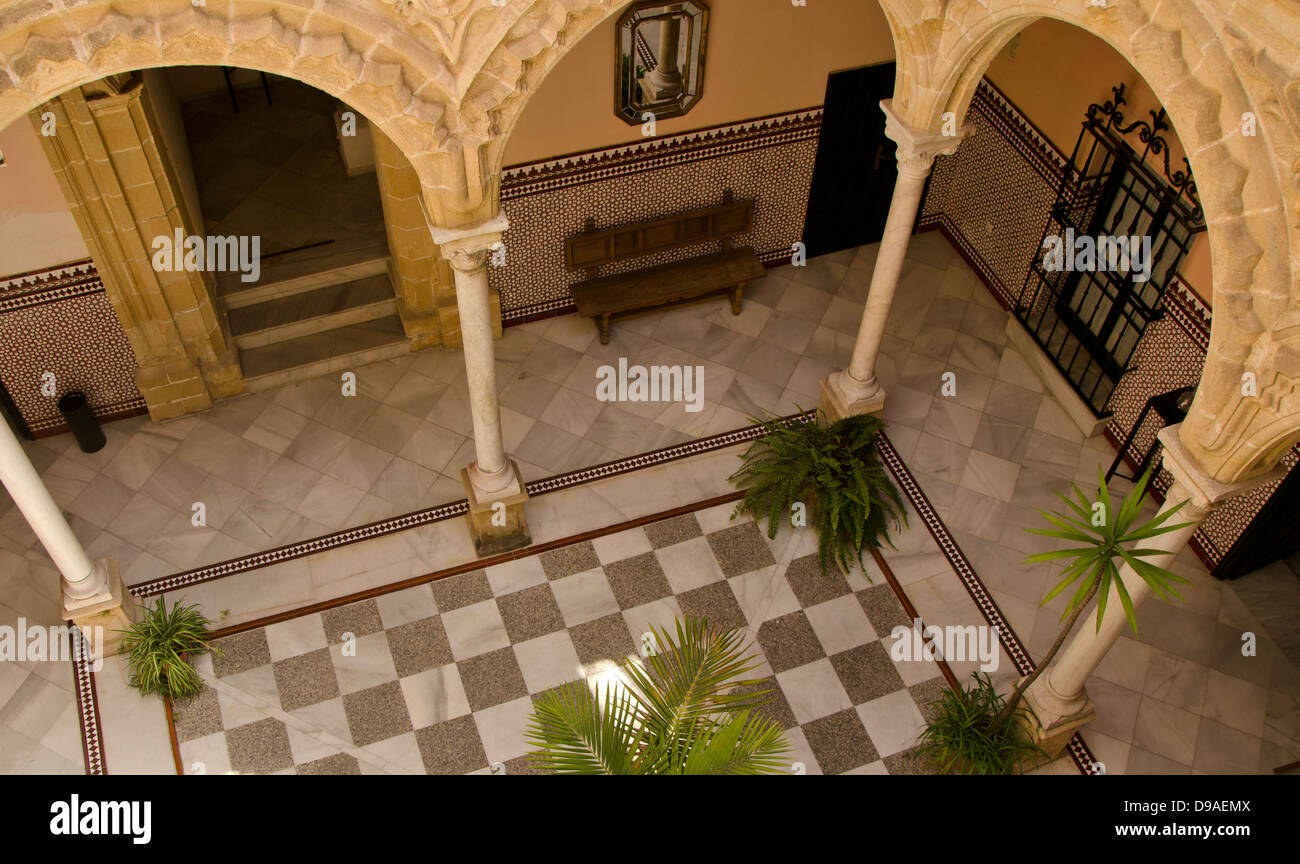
(157, 648)
(677, 717)
(1107, 537)
(831, 469)
(959, 740)
(972, 732)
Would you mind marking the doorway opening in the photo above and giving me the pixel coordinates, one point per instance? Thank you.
(853, 177)
(276, 159)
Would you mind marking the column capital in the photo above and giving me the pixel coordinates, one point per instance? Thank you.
(918, 148)
(466, 248)
(1204, 492)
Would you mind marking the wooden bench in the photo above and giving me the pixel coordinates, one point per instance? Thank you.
(602, 297)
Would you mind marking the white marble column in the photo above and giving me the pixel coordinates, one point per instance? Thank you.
(855, 390)
(467, 250)
(84, 582)
(1057, 699)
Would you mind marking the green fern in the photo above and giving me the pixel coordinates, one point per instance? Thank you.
(832, 469)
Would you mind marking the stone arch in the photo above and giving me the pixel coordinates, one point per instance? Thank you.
(350, 53)
(1208, 72)
(442, 79)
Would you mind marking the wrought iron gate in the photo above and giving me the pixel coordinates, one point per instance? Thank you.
(1089, 318)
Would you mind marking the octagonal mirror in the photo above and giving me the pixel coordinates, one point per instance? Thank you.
(660, 54)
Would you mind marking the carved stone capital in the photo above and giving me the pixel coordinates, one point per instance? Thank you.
(1204, 492)
(466, 249)
(917, 148)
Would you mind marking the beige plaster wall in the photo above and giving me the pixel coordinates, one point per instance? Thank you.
(763, 57)
(36, 227)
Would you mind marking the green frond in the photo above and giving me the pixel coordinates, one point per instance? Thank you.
(678, 714)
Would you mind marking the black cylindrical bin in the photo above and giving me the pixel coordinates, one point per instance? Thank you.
(82, 422)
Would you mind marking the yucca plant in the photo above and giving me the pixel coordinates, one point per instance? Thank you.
(960, 740)
(833, 469)
(972, 733)
(157, 646)
(678, 716)
(1107, 537)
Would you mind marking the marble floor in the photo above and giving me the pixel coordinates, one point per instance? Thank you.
(305, 460)
(300, 461)
(443, 676)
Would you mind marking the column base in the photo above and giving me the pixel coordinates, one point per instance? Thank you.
(839, 401)
(103, 615)
(497, 521)
(1051, 719)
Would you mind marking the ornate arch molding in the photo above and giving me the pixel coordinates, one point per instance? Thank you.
(360, 52)
(500, 77)
(1209, 72)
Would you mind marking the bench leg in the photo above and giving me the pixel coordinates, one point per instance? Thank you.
(735, 298)
(602, 324)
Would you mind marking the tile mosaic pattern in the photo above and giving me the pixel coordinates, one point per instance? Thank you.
(549, 201)
(61, 321)
(441, 678)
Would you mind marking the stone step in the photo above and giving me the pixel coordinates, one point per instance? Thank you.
(332, 351)
(328, 308)
(307, 269)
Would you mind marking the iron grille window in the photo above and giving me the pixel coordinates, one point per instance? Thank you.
(1139, 226)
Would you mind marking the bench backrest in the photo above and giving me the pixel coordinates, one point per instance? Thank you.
(593, 249)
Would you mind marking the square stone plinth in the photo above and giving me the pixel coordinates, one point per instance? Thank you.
(499, 524)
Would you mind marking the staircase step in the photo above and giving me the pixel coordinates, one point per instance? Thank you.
(334, 350)
(308, 269)
(315, 311)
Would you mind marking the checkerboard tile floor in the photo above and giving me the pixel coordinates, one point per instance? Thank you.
(441, 678)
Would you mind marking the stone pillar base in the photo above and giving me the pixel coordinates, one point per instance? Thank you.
(497, 524)
(837, 404)
(111, 611)
(1051, 725)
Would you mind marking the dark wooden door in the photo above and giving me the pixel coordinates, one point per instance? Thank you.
(853, 178)
(1273, 534)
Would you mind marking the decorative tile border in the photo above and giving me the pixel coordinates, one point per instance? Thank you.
(984, 601)
(443, 512)
(92, 744)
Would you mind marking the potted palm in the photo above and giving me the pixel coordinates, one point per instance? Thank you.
(679, 714)
(158, 649)
(833, 471)
(974, 731)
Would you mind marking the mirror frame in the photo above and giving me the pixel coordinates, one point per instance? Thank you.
(698, 14)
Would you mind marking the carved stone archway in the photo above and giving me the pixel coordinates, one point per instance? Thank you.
(1210, 64)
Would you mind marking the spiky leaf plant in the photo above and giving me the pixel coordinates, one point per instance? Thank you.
(963, 740)
(154, 645)
(1106, 537)
(833, 470)
(676, 716)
